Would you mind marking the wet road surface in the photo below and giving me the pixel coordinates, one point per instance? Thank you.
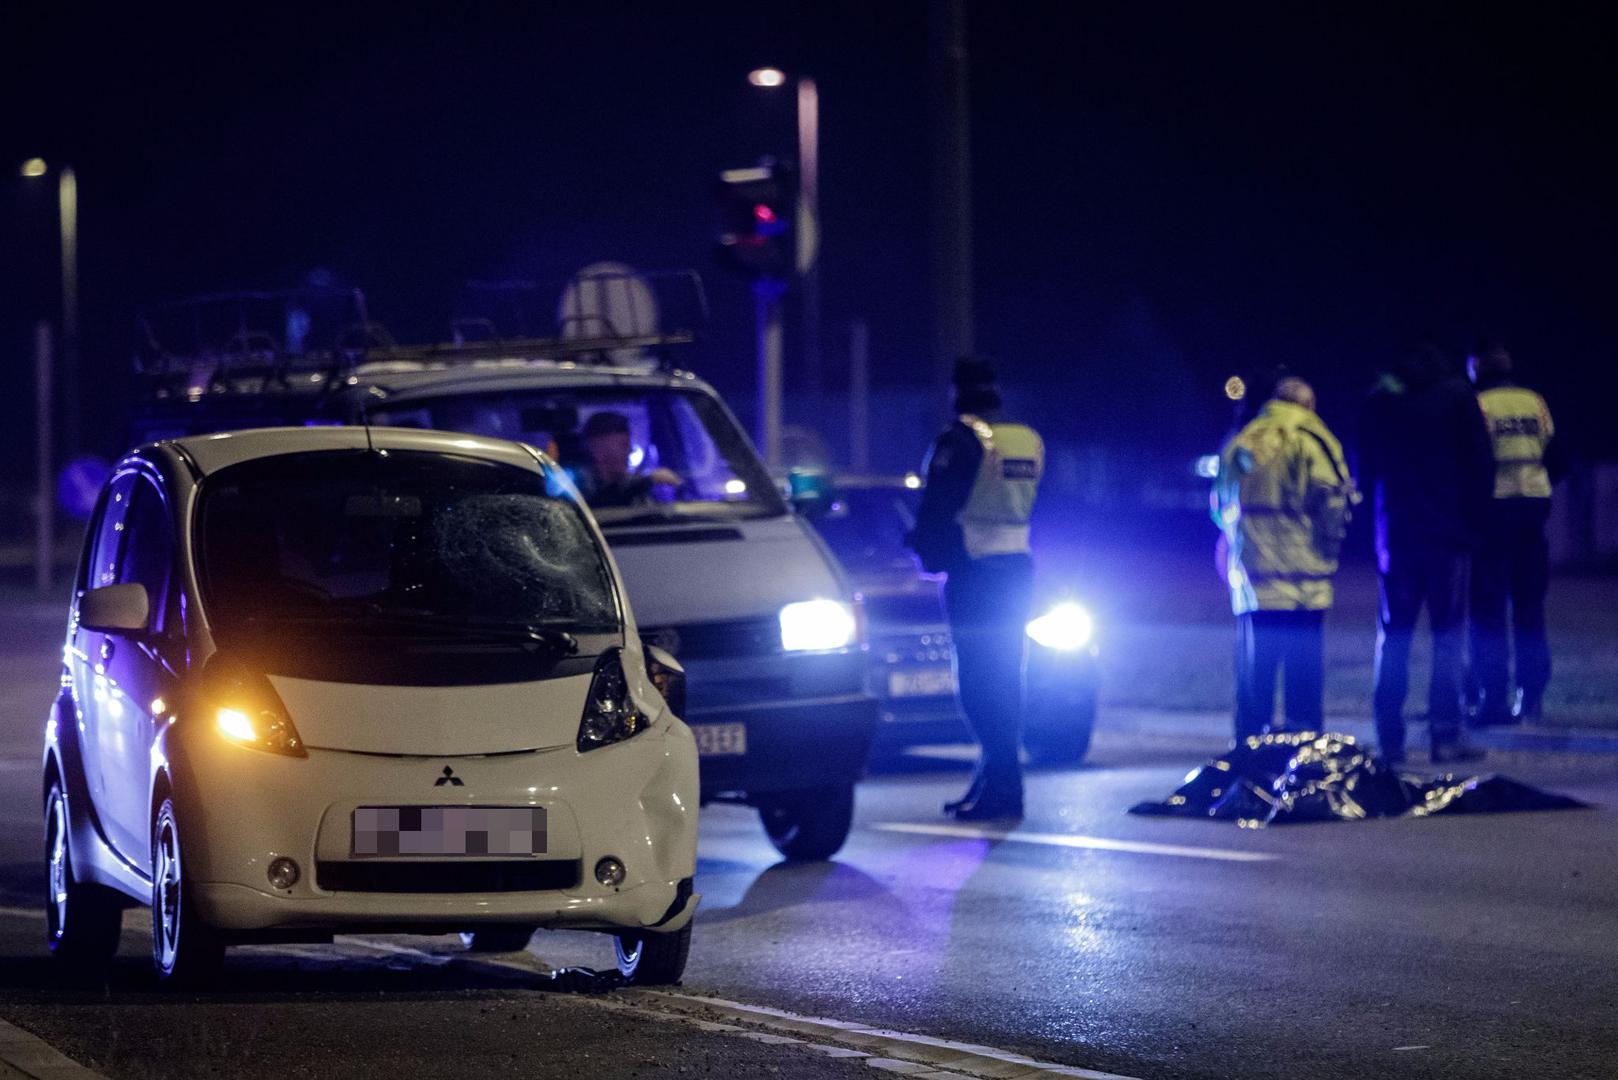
(1467, 947)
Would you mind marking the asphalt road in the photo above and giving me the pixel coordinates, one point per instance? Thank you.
(1464, 947)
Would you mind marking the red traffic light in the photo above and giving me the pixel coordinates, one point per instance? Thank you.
(764, 214)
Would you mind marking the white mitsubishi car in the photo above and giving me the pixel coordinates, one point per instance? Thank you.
(324, 680)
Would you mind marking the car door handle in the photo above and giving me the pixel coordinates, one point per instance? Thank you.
(107, 648)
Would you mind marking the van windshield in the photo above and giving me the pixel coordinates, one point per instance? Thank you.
(636, 453)
(421, 540)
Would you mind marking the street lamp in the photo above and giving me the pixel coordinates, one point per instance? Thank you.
(67, 200)
(808, 209)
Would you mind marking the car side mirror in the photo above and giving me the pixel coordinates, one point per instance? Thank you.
(667, 675)
(115, 609)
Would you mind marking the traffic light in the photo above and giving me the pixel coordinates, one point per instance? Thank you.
(756, 208)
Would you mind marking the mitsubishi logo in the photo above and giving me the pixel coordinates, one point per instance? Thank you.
(449, 778)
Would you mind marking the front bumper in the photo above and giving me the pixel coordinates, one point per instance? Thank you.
(1059, 688)
(242, 808)
(807, 718)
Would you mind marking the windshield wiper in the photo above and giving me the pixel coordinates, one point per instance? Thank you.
(472, 627)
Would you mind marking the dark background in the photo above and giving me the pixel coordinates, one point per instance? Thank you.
(1164, 194)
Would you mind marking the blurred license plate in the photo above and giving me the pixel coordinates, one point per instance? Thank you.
(925, 682)
(449, 830)
(716, 739)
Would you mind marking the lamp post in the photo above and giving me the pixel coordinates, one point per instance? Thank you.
(807, 223)
(67, 201)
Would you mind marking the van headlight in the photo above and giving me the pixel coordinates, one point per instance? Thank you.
(1067, 627)
(818, 626)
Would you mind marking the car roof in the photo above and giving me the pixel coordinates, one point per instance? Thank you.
(211, 453)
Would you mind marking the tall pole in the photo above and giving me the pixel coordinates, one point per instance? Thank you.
(44, 467)
(808, 231)
(767, 305)
(67, 191)
(859, 396)
(952, 193)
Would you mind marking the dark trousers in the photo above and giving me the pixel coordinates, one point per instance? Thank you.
(989, 602)
(1434, 578)
(1268, 642)
(1511, 569)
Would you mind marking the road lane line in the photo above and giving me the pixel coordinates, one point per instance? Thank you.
(894, 1051)
(25, 912)
(37, 1059)
(1064, 840)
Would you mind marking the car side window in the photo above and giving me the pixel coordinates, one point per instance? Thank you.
(102, 566)
(148, 549)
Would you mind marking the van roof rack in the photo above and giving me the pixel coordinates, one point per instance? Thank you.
(314, 340)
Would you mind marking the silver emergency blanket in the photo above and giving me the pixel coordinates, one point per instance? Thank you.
(1290, 777)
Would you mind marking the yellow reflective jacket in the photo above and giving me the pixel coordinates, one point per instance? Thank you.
(1282, 497)
(994, 520)
(1520, 428)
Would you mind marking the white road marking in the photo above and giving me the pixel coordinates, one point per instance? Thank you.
(892, 1051)
(1064, 840)
(35, 1058)
(1422, 1046)
(25, 912)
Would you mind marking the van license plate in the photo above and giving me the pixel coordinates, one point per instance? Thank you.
(449, 830)
(716, 740)
(925, 682)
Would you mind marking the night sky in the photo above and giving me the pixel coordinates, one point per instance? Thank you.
(1165, 194)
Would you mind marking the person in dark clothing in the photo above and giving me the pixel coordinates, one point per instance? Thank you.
(1425, 457)
(606, 481)
(1512, 565)
(982, 476)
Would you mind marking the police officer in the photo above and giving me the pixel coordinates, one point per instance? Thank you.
(1282, 501)
(982, 476)
(1511, 565)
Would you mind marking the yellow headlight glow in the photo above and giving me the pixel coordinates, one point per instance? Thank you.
(237, 725)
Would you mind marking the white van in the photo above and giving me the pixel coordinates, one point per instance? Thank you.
(723, 572)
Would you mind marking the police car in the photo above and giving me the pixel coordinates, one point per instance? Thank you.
(322, 680)
(912, 673)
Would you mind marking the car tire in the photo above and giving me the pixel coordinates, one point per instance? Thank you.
(1061, 731)
(648, 959)
(808, 825)
(186, 951)
(82, 920)
(497, 939)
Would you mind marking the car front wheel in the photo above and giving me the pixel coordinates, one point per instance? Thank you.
(808, 825)
(646, 959)
(186, 951)
(82, 920)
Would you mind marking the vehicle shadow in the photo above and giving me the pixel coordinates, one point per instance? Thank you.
(802, 884)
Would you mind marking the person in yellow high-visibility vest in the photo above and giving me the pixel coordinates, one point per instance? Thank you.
(1511, 565)
(982, 476)
(1282, 500)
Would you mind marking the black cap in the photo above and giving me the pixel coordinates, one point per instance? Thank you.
(972, 373)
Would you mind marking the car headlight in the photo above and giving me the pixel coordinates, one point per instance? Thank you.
(610, 714)
(818, 626)
(262, 729)
(1067, 627)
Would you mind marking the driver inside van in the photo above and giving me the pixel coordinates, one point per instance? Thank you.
(606, 480)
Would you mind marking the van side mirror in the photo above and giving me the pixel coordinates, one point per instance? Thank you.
(115, 609)
(811, 493)
(667, 675)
